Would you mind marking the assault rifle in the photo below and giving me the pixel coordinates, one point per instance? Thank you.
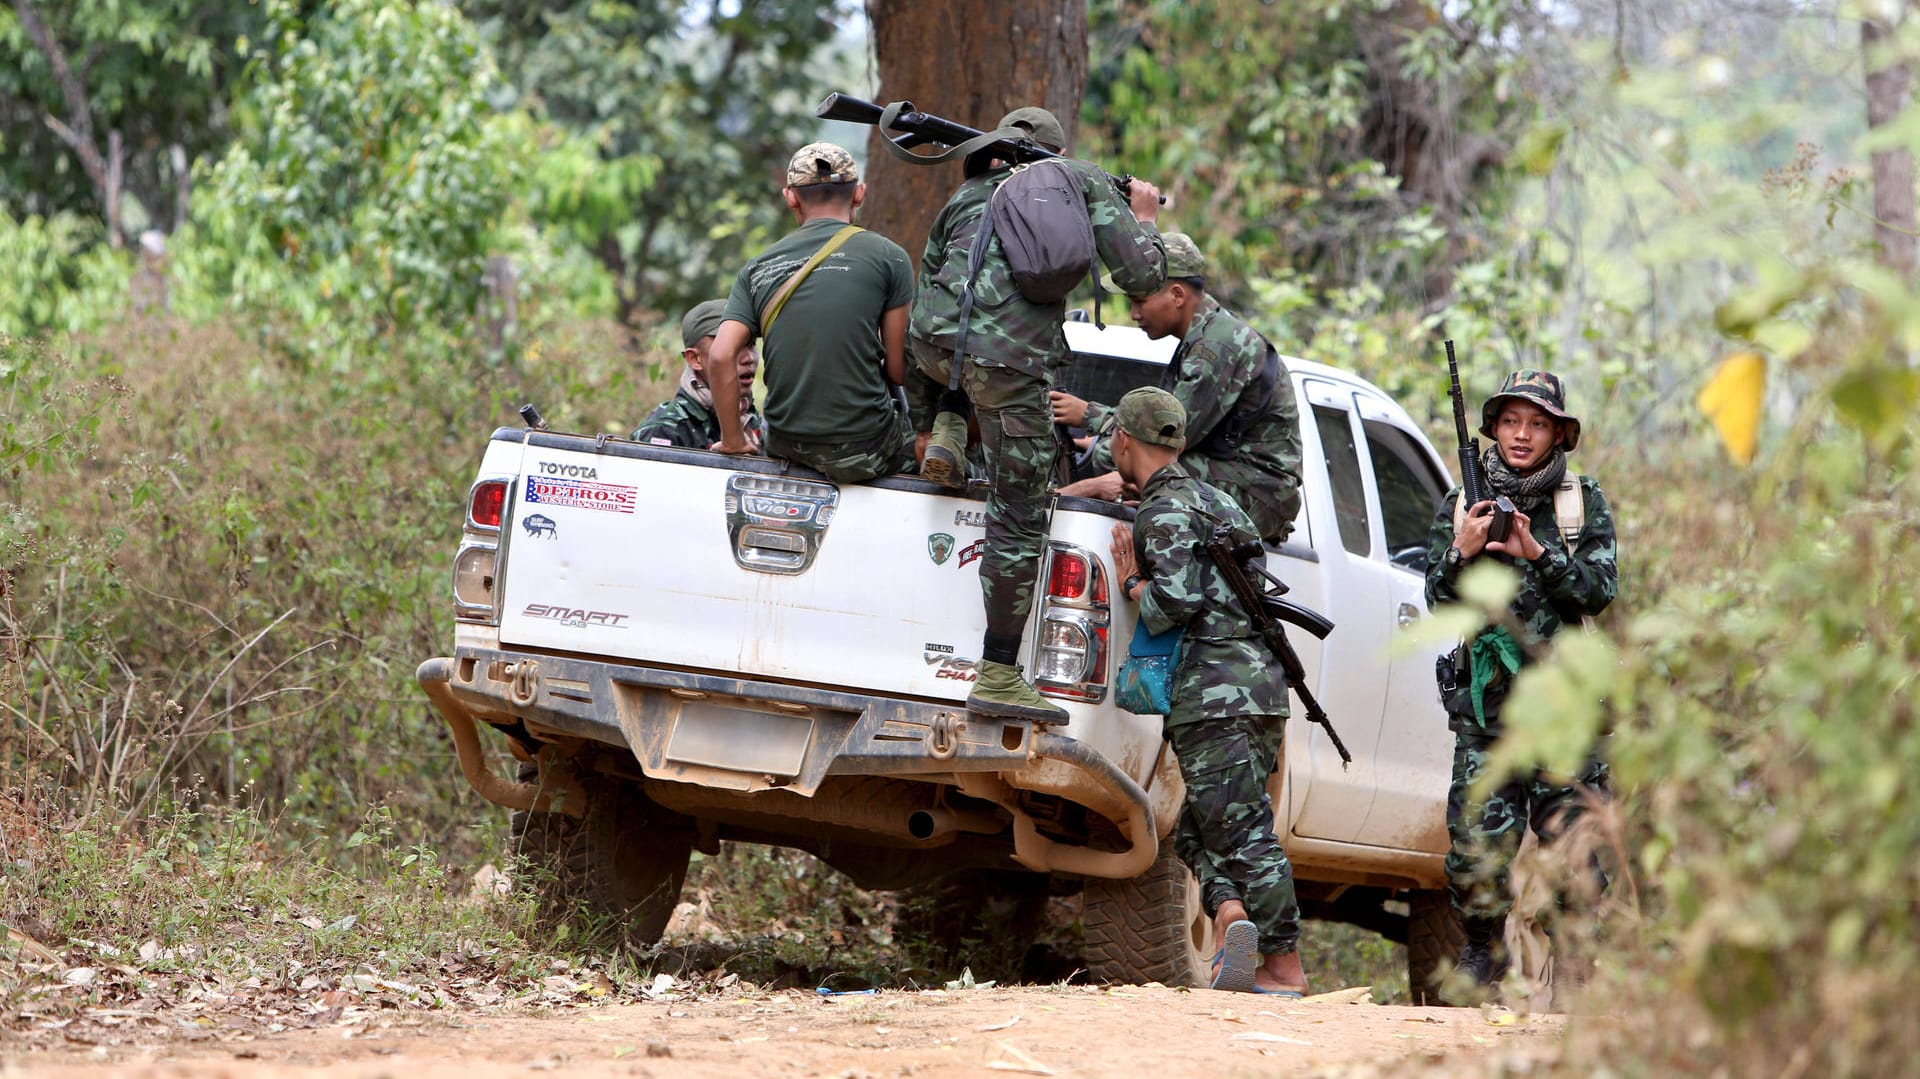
(923, 128)
(1268, 610)
(1473, 481)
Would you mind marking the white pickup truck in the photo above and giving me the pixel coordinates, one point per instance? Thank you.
(682, 647)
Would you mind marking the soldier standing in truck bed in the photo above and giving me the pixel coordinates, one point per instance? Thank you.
(1243, 422)
(687, 418)
(1011, 344)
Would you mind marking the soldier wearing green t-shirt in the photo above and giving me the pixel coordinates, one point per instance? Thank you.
(830, 300)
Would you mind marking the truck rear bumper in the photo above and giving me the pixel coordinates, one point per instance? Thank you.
(745, 736)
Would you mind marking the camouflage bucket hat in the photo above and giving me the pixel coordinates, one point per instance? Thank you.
(1151, 414)
(1183, 260)
(1540, 388)
(702, 321)
(821, 163)
(1042, 125)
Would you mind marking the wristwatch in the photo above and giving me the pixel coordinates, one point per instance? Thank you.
(1127, 585)
(1452, 559)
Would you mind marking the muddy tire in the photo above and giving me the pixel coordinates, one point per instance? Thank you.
(1151, 928)
(615, 873)
(1434, 940)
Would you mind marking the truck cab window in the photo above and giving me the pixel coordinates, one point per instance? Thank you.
(1349, 487)
(1409, 493)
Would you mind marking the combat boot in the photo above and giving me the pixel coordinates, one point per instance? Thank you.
(1481, 959)
(1001, 690)
(945, 460)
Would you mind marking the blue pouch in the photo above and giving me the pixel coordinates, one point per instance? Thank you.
(1145, 682)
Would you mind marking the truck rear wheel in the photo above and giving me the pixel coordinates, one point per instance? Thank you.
(1434, 940)
(618, 870)
(1151, 928)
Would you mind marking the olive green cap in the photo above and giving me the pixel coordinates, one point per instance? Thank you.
(1183, 260)
(1151, 414)
(702, 321)
(821, 163)
(1040, 124)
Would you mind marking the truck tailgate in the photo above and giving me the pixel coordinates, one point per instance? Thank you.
(735, 567)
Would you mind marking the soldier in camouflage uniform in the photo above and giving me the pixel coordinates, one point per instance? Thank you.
(1228, 702)
(1532, 433)
(1011, 344)
(686, 419)
(1243, 424)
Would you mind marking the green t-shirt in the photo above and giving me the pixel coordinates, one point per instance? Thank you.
(823, 361)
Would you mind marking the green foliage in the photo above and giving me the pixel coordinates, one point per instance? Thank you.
(56, 274)
(369, 180)
(157, 71)
(677, 121)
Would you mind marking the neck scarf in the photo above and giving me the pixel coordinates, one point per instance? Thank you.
(695, 387)
(1529, 490)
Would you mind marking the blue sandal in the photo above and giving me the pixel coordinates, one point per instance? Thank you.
(1239, 958)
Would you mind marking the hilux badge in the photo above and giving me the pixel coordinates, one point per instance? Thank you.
(939, 546)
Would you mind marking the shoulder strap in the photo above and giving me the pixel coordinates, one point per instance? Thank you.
(780, 298)
(979, 142)
(1570, 509)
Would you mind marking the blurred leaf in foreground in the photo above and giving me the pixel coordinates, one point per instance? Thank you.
(1731, 399)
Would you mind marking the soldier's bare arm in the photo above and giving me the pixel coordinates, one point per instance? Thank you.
(893, 337)
(728, 341)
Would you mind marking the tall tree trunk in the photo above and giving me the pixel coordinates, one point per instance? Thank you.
(1888, 92)
(107, 171)
(971, 61)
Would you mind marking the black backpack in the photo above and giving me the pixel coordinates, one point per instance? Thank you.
(1040, 215)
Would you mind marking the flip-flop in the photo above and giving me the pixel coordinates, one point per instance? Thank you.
(1239, 958)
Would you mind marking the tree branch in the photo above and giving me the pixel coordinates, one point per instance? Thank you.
(77, 130)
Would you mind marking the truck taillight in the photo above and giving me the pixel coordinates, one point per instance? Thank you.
(487, 504)
(1071, 659)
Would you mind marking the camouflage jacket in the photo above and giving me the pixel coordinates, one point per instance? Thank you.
(1225, 668)
(1559, 587)
(681, 420)
(1211, 370)
(1005, 328)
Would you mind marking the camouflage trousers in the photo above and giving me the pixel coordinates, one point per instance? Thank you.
(1487, 834)
(1256, 492)
(886, 454)
(1016, 427)
(1225, 834)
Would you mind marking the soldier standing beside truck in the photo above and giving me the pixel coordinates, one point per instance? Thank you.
(687, 418)
(1228, 710)
(839, 297)
(1244, 424)
(1011, 344)
(1559, 537)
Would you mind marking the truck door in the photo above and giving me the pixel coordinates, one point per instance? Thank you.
(1331, 802)
(1414, 753)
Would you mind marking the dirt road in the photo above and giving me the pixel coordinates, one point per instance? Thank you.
(1062, 1030)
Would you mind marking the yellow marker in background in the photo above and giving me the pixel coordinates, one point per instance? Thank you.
(1731, 399)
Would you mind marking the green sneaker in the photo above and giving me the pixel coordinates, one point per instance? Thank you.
(944, 462)
(1002, 691)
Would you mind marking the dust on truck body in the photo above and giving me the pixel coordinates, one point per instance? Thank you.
(682, 647)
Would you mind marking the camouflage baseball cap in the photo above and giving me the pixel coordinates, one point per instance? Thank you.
(1541, 388)
(702, 321)
(1183, 260)
(1038, 122)
(1151, 414)
(821, 163)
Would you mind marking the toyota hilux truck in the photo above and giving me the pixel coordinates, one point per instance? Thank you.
(680, 647)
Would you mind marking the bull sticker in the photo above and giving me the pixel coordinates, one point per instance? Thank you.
(939, 546)
(539, 524)
(972, 552)
(576, 617)
(582, 495)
